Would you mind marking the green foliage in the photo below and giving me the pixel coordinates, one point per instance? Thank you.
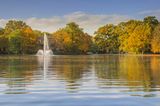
(151, 20)
(1, 31)
(13, 25)
(3, 42)
(18, 38)
(15, 42)
(107, 39)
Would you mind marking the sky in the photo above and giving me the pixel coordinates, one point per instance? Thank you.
(50, 15)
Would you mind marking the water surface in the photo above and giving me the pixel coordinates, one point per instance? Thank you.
(92, 80)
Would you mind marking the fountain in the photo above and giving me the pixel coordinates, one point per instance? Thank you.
(43, 56)
(46, 50)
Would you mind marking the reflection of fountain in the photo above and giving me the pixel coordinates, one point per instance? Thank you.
(44, 62)
(46, 50)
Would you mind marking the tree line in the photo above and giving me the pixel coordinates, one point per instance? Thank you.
(133, 36)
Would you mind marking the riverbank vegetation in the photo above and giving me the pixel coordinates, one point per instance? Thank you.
(133, 36)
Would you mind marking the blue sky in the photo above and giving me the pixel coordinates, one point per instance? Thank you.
(49, 8)
(49, 15)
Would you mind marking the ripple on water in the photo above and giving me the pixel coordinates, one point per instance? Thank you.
(99, 80)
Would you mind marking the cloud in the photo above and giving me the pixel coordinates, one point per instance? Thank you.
(3, 22)
(90, 22)
(151, 13)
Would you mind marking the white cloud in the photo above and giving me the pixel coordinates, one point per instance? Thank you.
(151, 13)
(3, 22)
(90, 22)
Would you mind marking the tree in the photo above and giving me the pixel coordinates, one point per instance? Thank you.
(71, 40)
(151, 20)
(133, 36)
(15, 42)
(13, 25)
(136, 37)
(139, 40)
(76, 34)
(155, 42)
(124, 30)
(106, 39)
(3, 42)
(1, 31)
(86, 44)
(61, 42)
(29, 41)
(22, 39)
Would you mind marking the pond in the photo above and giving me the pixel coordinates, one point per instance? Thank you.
(84, 80)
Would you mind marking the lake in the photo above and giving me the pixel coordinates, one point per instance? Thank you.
(89, 80)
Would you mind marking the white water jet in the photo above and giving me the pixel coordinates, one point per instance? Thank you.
(46, 50)
(43, 56)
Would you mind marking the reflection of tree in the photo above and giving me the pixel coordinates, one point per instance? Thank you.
(71, 69)
(106, 66)
(18, 71)
(155, 68)
(136, 71)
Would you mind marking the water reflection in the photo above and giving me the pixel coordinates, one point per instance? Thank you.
(16, 73)
(44, 63)
(71, 70)
(138, 71)
(130, 75)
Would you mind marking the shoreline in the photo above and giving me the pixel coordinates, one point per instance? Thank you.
(82, 54)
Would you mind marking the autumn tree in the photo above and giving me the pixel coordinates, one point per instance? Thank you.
(21, 37)
(133, 36)
(76, 34)
(155, 42)
(71, 40)
(86, 43)
(136, 37)
(30, 41)
(61, 42)
(13, 25)
(107, 39)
